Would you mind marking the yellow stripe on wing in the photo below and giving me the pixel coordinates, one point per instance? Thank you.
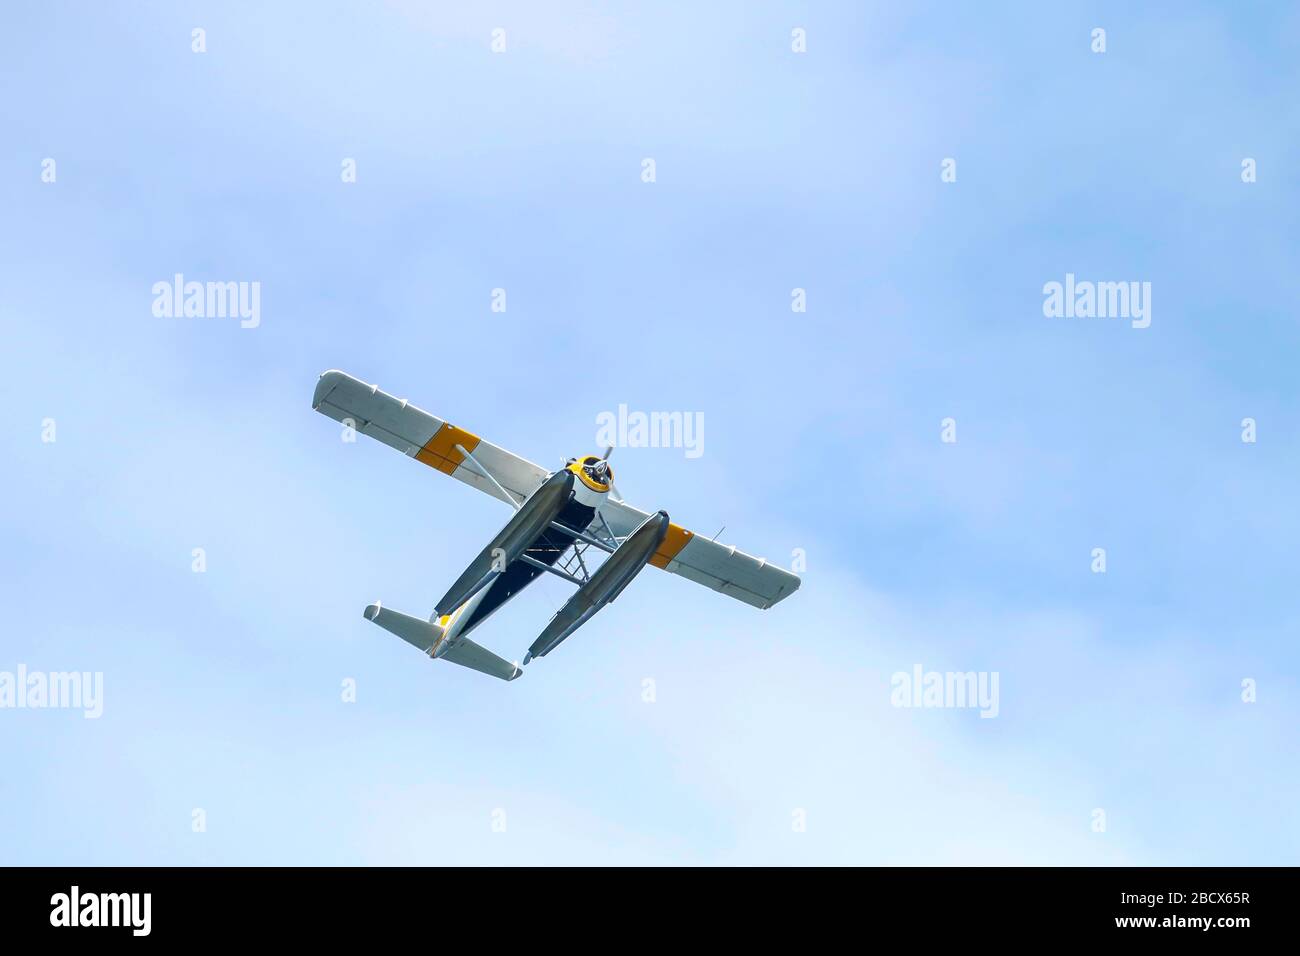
(440, 450)
(673, 542)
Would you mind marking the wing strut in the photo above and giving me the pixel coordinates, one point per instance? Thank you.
(488, 475)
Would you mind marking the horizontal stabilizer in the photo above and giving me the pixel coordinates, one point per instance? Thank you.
(468, 654)
(428, 637)
(424, 635)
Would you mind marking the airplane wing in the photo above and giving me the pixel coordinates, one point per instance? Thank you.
(424, 437)
(430, 440)
(706, 562)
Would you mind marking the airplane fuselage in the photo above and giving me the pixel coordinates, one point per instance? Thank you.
(589, 494)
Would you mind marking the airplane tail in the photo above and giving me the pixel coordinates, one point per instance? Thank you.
(429, 638)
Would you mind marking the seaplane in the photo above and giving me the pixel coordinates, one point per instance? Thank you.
(572, 523)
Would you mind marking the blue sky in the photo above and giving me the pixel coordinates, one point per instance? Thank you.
(775, 170)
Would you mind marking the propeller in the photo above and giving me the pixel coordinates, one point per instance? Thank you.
(613, 488)
(609, 473)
